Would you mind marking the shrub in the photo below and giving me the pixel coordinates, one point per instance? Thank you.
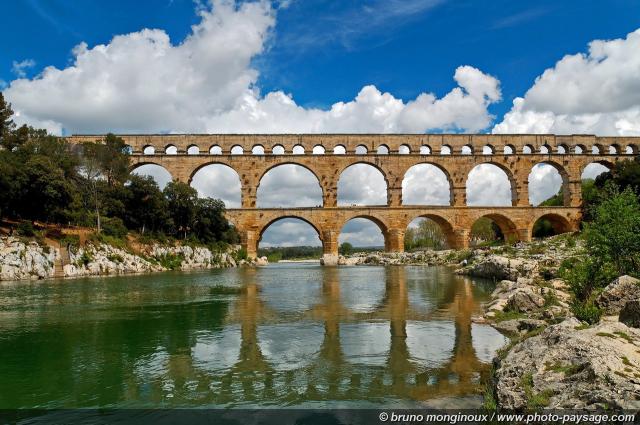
(85, 259)
(586, 312)
(241, 254)
(25, 228)
(171, 261)
(114, 227)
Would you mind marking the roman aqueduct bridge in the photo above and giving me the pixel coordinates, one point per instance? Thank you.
(327, 156)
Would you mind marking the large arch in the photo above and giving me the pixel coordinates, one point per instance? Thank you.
(290, 224)
(490, 184)
(362, 183)
(508, 230)
(546, 180)
(557, 223)
(417, 222)
(289, 185)
(159, 174)
(364, 231)
(426, 184)
(595, 168)
(220, 181)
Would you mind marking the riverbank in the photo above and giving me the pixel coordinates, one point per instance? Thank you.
(24, 259)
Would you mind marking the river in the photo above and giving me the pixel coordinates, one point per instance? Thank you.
(285, 335)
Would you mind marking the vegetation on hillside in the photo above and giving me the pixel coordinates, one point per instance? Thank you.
(44, 178)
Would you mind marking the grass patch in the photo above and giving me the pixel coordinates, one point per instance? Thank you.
(550, 298)
(568, 370)
(502, 316)
(624, 336)
(606, 334)
(582, 327)
(535, 400)
(171, 261)
(625, 361)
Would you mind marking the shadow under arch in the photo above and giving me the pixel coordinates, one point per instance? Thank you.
(437, 166)
(512, 181)
(294, 163)
(558, 223)
(507, 227)
(445, 226)
(289, 216)
(566, 195)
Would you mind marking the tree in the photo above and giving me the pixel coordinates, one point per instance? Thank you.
(210, 225)
(346, 248)
(182, 202)
(145, 205)
(6, 123)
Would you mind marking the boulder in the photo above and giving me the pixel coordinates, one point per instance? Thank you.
(630, 314)
(498, 267)
(524, 300)
(617, 293)
(261, 261)
(519, 326)
(569, 367)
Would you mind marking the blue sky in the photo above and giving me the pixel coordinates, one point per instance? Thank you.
(324, 51)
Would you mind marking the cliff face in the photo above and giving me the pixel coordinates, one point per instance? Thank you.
(29, 260)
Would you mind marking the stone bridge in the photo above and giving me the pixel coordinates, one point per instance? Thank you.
(327, 156)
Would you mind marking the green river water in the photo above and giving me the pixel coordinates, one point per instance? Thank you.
(285, 335)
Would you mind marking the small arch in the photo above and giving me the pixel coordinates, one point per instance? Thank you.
(215, 150)
(488, 150)
(425, 150)
(547, 184)
(160, 175)
(339, 150)
(614, 149)
(383, 150)
(298, 150)
(509, 150)
(630, 150)
(596, 150)
(549, 225)
(361, 150)
(467, 150)
(257, 150)
(277, 150)
(318, 150)
(363, 231)
(289, 230)
(527, 149)
(149, 150)
(362, 184)
(445, 150)
(404, 150)
(492, 228)
(429, 231)
(490, 184)
(287, 186)
(171, 150)
(193, 150)
(426, 184)
(237, 150)
(218, 181)
(545, 149)
(562, 149)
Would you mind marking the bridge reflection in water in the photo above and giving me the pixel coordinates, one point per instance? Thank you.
(336, 335)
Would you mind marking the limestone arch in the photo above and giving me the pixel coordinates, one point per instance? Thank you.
(215, 150)
(382, 150)
(597, 149)
(579, 149)
(257, 149)
(233, 183)
(425, 150)
(318, 150)
(404, 149)
(510, 178)
(445, 226)
(614, 149)
(588, 168)
(237, 150)
(631, 150)
(171, 149)
(439, 167)
(162, 179)
(295, 216)
(466, 150)
(362, 162)
(446, 150)
(509, 149)
(559, 223)
(527, 149)
(277, 150)
(507, 226)
(564, 188)
(378, 221)
(289, 163)
(488, 149)
(148, 150)
(193, 150)
(562, 149)
(361, 150)
(339, 150)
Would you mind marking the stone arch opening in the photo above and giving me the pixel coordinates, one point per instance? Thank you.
(288, 231)
(171, 150)
(149, 150)
(318, 150)
(550, 225)
(425, 150)
(596, 150)
(257, 150)
(127, 150)
(237, 150)
(579, 149)
(490, 184)
(509, 150)
(362, 184)
(545, 149)
(404, 150)
(339, 150)
(298, 150)
(630, 150)
(193, 150)
(594, 169)
(527, 149)
(289, 185)
(614, 149)
(491, 229)
(548, 185)
(428, 232)
(361, 150)
(426, 184)
(215, 150)
(562, 149)
(445, 150)
(218, 181)
(488, 150)
(277, 150)
(383, 150)
(467, 150)
(159, 174)
(364, 232)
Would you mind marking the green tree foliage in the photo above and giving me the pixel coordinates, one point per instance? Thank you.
(345, 248)
(485, 230)
(428, 234)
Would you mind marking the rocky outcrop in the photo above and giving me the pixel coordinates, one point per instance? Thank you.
(499, 268)
(25, 260)
(94, 260)
(567, 366)
(617, 293)
(426, 257)
(630, 314)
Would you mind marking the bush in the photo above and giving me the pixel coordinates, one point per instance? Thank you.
(346, 248)
(85, 259)
(114, 227)
(25, 228)
(586, 312)
(241, 254)
(171, 261)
